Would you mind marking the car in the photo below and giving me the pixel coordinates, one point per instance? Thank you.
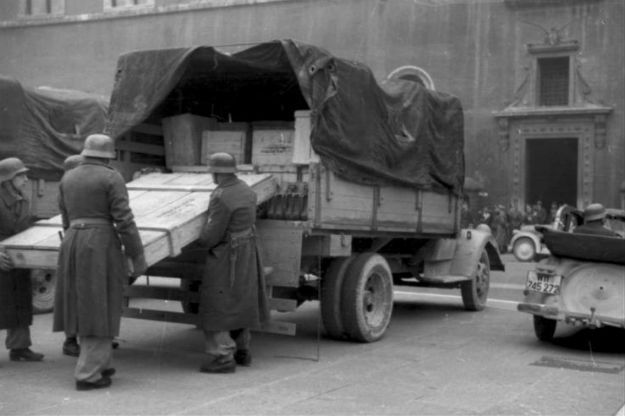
(526, 243)
(581, 282)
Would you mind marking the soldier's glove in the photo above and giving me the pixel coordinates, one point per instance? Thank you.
(6, 263)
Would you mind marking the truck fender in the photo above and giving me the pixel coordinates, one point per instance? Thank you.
(459, 256)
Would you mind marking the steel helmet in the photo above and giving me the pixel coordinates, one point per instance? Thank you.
(99, 145)
(10, 168)
(222, 163)
(72, 161)
(594, 212)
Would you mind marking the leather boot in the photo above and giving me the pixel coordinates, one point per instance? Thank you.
(243, 357)
(24, 354)
(90, 385)
(71, 347)
(219, 365)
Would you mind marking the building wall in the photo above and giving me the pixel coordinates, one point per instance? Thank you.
(475, 50)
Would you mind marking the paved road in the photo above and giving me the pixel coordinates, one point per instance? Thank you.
(436, 359)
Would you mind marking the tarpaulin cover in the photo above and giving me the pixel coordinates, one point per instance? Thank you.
(397, 132)
(42, 126)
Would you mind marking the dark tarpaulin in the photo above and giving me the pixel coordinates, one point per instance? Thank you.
(397, 132)
(43, 126)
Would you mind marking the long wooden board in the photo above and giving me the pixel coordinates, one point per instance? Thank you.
(169, 210)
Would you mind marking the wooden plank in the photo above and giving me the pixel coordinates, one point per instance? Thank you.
(397, 209)
(282, 305)
(164, 293)
(281, 245)
(279, 327)
(164, 316)
(150, 149)
(151, 129)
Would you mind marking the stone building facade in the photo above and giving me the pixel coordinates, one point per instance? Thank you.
(542, 81)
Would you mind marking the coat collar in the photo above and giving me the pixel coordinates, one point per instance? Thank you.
(229, 182)
(9, 195)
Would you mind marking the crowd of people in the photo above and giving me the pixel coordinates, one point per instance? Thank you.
(502, 221)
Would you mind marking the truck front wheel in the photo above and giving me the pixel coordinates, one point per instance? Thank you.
(475, 291)
(44, 287)
(367, 298)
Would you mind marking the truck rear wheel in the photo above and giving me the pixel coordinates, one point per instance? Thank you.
(544, 328)
(367, 298)
(331, 297)
(475, 291)
(44, 287)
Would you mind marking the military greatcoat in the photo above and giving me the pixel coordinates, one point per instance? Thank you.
(92, 268)
(233, 292)
(16, 305)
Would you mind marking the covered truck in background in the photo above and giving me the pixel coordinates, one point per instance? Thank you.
(359, 182)
(42, 126)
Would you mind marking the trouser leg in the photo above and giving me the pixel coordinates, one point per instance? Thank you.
(219, 344)
(95, 357)
(242, 338)
(18, 338)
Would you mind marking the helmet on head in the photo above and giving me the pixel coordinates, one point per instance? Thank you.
(594, 212)
(10, 168)
(222, 163)
(72, 161)
(99, 145)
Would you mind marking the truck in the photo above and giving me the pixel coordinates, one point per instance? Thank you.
(359, 182)
(42, 126)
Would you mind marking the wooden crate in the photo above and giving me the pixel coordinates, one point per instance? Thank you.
(232, 142)
(272, 145)
(169, 210)
(183, 136)
(303, 153)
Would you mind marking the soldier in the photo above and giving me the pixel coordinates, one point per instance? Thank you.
(233, 293)
(97, 219)
(70, 345)
(16, 303)
(594, 218)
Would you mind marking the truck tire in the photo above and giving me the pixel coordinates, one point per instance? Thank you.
(524, 249)
(475, 291)
(544, 328)
(367, 298)
(331, 297)
(44, 287)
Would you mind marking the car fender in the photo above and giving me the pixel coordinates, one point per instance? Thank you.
(517, 234)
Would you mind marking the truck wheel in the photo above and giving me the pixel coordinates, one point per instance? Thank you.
(44, 287)
(367, 298)
(524, 249)
(544, 328)
(331, 296)
(191, 286)
(475, 291)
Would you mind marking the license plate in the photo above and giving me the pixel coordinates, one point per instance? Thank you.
(543, 282)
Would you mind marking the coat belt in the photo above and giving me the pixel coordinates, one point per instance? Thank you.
(82, 222)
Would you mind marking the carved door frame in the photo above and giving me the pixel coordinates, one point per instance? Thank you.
(582, 129)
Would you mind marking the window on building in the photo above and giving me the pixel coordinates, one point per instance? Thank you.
(42, 7)
(123, 4)
(553, 81)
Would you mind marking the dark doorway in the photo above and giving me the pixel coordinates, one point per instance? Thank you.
(551, 171)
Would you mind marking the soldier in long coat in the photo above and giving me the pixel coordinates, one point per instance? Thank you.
(233, 293)
(16, 303)
(98, 221)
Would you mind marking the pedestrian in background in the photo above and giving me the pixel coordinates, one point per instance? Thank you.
(233, 293)
(16, 303)
(97, 220)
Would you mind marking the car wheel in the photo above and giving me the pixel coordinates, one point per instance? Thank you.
(544, 328)
(43, 289)
(524, 249)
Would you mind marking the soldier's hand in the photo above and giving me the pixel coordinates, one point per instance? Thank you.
(139, 266)
(6, 263)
